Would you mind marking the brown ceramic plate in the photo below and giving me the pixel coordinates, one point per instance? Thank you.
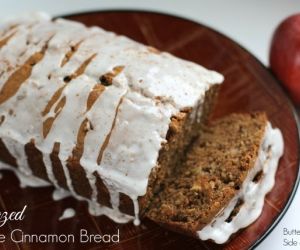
(249, 86)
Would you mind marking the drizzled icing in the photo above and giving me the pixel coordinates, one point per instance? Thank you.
(252, 193)
(59, 194)
(125, 124)
(24, 179)
(68, 213)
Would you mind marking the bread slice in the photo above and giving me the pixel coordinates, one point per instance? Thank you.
(221, 186)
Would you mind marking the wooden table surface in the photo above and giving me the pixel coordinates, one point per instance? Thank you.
(249, 86)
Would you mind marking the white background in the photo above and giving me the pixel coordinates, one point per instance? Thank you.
(250, 23)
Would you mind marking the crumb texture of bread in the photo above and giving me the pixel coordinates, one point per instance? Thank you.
(182, 131)
(218, 164)
(95, 112)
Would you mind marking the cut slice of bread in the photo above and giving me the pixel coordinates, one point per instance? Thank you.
(221, 186)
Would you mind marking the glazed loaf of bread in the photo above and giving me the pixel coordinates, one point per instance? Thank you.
(96, 113)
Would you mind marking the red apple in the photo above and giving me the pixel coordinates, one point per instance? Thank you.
(285, 55)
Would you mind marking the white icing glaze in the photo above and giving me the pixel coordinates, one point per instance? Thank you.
(129, 120)
(136, 221)
(59, 194)
(94, 208)
(49, 170)
(251, 193)
(18, 151)
(29, 17)
(67, 213)
(25, 180)
(92, 181)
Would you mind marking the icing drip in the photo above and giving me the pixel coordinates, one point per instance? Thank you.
(94, 208)
(92, 181)
(136, 221)
(49, 170)
(252, 193)
(69, 181)
(68, 213)
(25, 180)
(18, 150)
(59, 194)
(104, 99)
